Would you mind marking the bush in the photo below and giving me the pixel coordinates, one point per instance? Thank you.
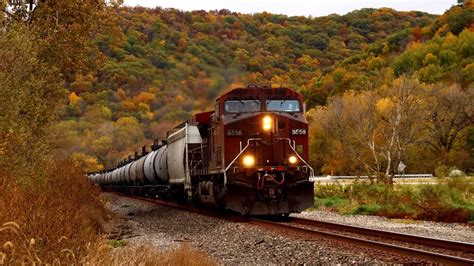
(441, 171)
(333, 190)
(451, 200)
(332, 203)
(370, 209)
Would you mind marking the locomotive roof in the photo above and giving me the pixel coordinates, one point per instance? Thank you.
(258, 92)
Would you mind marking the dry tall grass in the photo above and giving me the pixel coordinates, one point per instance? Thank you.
(57, 219)
(46, 218)
(146, 255)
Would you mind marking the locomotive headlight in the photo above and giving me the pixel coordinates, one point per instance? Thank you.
(248, 161)
(267, 123)
(292, 159)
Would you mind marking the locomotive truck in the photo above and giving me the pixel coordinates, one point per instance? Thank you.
(248, 155)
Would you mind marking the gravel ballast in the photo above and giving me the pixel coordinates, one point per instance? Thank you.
(449, 231)
(227, 242)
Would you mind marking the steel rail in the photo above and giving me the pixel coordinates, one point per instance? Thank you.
(395, 249)
(400, 250)
(428, 241)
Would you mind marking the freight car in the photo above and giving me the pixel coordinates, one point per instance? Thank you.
(248, 155)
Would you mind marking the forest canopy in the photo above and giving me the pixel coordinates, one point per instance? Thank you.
(158, 66)
(168, 64)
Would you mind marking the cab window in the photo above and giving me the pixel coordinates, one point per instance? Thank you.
(242, 106)
(290, 106)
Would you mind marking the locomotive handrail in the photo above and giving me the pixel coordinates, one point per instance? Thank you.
(297, 154)
(240, 153)
(289, 143)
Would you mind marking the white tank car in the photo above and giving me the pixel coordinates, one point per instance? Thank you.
(140, 175)
(127, 174)
(161, 164)
(114, 178)
(119, 175)
(133, 175)
(148, 167)
(122, 175)
(155, 166)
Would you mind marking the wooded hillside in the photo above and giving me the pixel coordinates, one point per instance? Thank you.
(167, 64)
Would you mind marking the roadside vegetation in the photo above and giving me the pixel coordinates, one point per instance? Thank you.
(451, 200)
(147, 255)
(49, 212)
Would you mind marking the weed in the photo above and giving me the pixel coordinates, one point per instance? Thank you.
(330, 203)
(117, 243)
(370, 209)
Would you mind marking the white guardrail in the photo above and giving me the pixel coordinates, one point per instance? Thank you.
(331, 177)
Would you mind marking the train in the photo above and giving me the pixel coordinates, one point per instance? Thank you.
(248, 155)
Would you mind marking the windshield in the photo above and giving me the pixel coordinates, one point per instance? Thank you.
(242, 106)
(283, 105)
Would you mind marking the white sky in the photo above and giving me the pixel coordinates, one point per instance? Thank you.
(314, 8)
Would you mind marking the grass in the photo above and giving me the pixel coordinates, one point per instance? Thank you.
(367, 209)
(97, 253)
(333, 203)
(57, 217)
(147, 255)
(57, 209)
(117, 243)
(450, 200)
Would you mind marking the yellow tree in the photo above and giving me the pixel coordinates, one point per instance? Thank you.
(401, 111)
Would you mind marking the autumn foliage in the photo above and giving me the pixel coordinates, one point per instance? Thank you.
(170, 64)
(371, 132)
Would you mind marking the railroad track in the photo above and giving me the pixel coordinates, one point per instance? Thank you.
(402, 250)
(422, 240)
(318, 229)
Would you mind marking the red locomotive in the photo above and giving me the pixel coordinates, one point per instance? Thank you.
(248, 155)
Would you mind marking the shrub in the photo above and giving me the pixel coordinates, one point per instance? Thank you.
(370, 209)
(451, 200)
(333, 190)
(333, 203)
(441, 171)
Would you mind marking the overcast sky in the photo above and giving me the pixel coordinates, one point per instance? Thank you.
(297, 7)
